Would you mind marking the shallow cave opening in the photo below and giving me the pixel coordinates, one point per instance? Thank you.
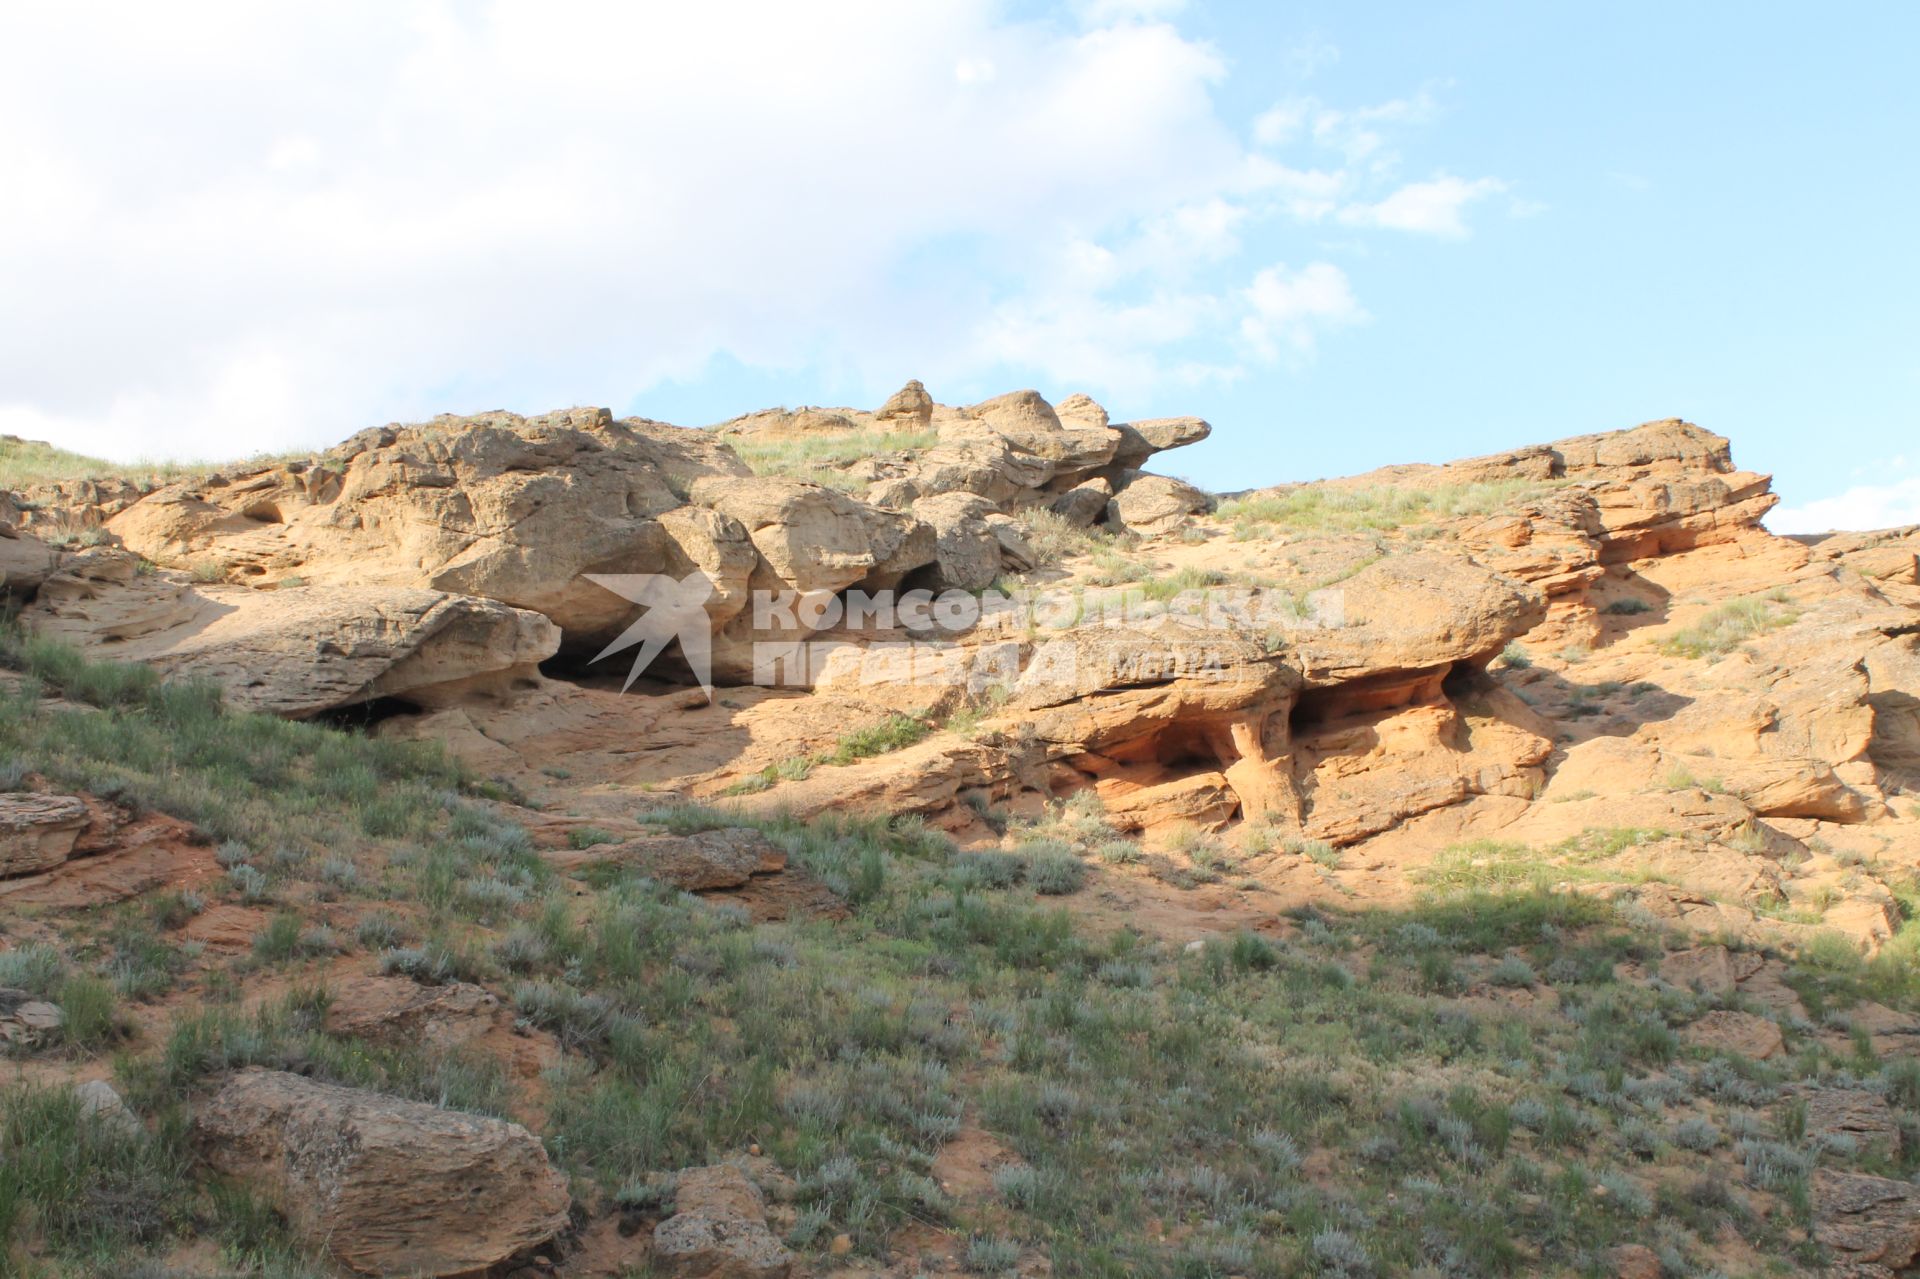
(1464, 679)
(577, 666)
(1311, 709)
(1177, 751)
(364, 716)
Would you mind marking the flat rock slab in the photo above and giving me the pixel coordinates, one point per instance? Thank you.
(398, 1010)
(27, 1021)
(1853, 1112)
(1867, 1221)
(389, 1187)
(1743, 1033)
(1710, 968)
(703, 862)
(37, 832)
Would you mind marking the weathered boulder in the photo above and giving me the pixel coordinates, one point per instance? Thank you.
(1141, 440)
(909, 406)
(1417, 612)
(1076, 442)
(718, 1230)
(1205, 800)
(99, 1102)
(25, 561)
(1160, 713)
(1084, 503)
(1150, 504)
(1855, 1113)
(812, 538)
(1867, 1221)
(1713, 969)
(293, 651)
(37, 832)
(388, 1187)
(967, 546)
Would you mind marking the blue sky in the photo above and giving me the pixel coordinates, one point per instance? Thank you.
(1345, 235)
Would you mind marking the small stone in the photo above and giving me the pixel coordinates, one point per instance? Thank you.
(99, 1100)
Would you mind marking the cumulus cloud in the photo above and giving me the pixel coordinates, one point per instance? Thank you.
(1429, 208)
(238, 226)
(1866, 506)
(1288, 309)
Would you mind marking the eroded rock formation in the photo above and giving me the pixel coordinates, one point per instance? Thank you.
(1596, 633)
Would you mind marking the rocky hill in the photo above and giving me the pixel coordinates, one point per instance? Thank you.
(1007, 858)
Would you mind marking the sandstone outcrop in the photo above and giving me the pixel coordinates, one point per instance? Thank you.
(1493, 649)
(1867, 1221)
(296, 650)
(388, 1187)
(25, 560)
(37, 832)
(431, 543)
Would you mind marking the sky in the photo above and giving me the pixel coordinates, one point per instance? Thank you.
(1346, 235)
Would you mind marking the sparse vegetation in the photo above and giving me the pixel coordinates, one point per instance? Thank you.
(819, 456)
(1132, 1078)
(1052, 538)
(1347, 507)
(1731, 625)
(896, 732)
(24, 463)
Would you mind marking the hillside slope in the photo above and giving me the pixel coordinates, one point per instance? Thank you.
(1504, 867)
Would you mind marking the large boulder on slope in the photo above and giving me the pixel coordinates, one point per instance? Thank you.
(388, 1187)
(25, 561)
(1417, 612)
(296, 651)
(1150, 504)
(967, 548)
(910, 407)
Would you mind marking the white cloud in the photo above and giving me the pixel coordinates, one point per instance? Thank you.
(1287, 309)
(1282, 124)
(1428, 208)
(276, 225)
(252, 227)
(1102, 12)
(1866, 506)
